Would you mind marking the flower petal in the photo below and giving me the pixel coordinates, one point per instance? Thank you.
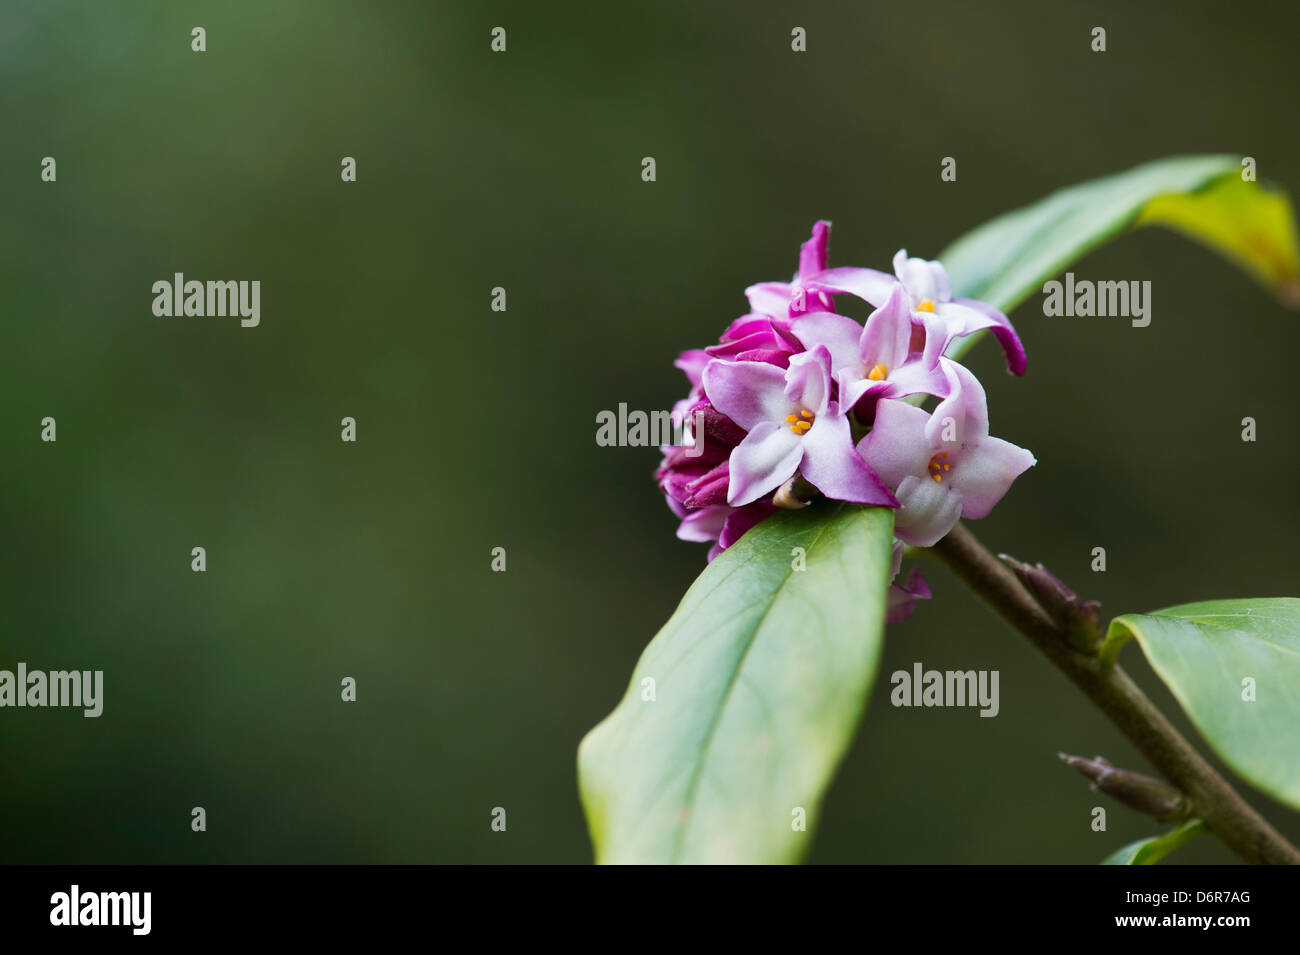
(867, 284)
(839, 334)
(747, 392)
(927, 510)
(770, 298)
(808, 380)
(888, 333)
(934, 334)
(853, 387)
(770, 356)
(761, 463)
(1002, 331)
(812, 254)
(746, 325)
(922, 278)
(742, 519)
(914, 378)
(902, 598)
(704, 524)
(832, 463)
(764, 339)
(962, 418)
(896, 447)
(710, 488)
(985, 473)
(692, 364)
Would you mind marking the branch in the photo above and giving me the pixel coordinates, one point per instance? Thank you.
(1211, 797)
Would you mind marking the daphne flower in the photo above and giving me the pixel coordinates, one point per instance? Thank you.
(793, 426)
(928, 292)
(942, 466)
(876, 359)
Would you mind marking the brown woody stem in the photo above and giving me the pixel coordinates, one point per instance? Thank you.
(1211, 797)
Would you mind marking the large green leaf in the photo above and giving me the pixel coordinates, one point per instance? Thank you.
(1150, 851)
(1205, 653)
(1009, 258)
(759, 681)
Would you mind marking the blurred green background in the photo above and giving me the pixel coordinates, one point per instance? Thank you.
(476, 428)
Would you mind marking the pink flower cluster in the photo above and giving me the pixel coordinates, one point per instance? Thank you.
(795, 392)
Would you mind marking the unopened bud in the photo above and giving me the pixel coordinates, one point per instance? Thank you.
(1152, 797)
(795, 493)
(1076, 619)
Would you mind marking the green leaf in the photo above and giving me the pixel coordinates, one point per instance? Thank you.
(1251, 225)
(1150, 851)
(1203, 652)
(760, 679)
(1009, 258)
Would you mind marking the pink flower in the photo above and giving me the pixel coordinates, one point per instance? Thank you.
(928, 294)
(793, 424)
(877, 359)
(942, 466)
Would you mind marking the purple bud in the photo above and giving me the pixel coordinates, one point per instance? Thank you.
(1152, 797)
(1077, 620)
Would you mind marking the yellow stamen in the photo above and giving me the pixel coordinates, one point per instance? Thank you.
(806, 414)
(878, 373)
(925, 306)
(791, 419)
